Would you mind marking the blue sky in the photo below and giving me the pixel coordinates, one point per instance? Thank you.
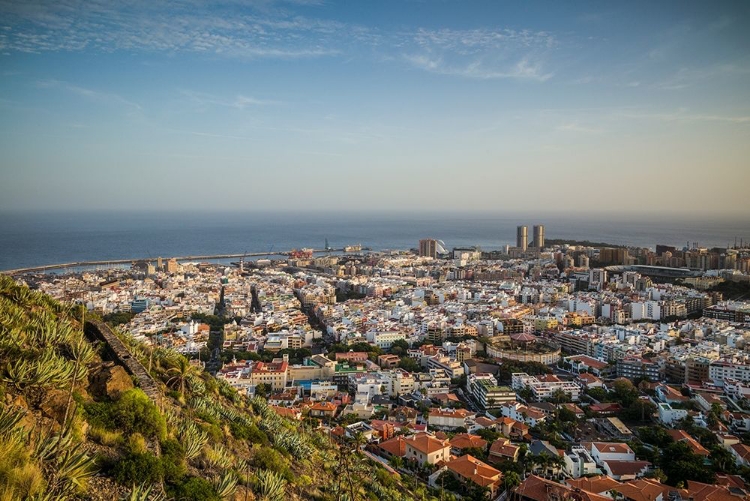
(457, 105)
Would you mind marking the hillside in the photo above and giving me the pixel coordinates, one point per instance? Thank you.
(74, 424)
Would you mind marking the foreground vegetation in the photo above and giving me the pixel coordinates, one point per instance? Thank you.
(64, 435)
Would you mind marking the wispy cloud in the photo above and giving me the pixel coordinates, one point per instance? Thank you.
(91, 94)
(685, 116)
(232, 29)
(481, 53)
(240, 101)
(575, 127)
(686, 76)
(478, 69)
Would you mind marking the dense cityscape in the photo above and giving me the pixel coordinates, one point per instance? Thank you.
(392, 250)
(548, 370)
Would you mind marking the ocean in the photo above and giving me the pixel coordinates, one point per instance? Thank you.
(35, 238)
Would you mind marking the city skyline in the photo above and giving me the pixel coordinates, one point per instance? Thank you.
(272, 105)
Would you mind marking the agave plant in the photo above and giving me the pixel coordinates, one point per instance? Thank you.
(226, 485)
(192, 438)
(270, 486)
(9, 418)
(143, 492)
(219, 457)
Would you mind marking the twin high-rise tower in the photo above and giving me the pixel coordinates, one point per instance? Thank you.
(522, 237)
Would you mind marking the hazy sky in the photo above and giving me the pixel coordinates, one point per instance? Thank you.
(111, 104)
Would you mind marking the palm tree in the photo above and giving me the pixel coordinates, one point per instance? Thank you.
(181, 373)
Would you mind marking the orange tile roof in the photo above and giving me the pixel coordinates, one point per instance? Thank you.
(540, 489)
(681, 436)
(466, 441)
(323, 406)
(643, 489)
(620, 468)
(612, 447)
(502, 447)
(395, 446)
(475, 470)
(598, 484)
(698, 490)
(425, 443)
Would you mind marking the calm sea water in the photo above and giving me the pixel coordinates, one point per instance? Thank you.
(33, 239)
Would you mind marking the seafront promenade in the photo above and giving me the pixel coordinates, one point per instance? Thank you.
(111, 262)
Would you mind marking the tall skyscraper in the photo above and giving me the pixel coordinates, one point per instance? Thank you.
(428, 247)
(539, 236)
(522, 237)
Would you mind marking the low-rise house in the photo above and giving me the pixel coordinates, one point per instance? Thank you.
(287, 412)
(626, 470)
(323, 410)
(605, 409)
(515, 430)
(519, 412)
(695, 446)
(463, 441)
(668, 395)
(449, 418)
(611, 451)
(741, 454)
(589, 381)
(599, 484)
(503, 450)
(425, 449)
(578, 462)
(584, 364)
(669, 416)
(395, 446)
(470, 469)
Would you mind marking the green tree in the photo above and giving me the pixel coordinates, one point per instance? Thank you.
(180, 373)
(680, 464)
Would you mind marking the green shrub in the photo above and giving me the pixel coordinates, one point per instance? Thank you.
(137, 469)
(242, 431)
(266, 458)
(173, 461)
(99, 414)
(194, 489)
(214, 432)
(134, 412)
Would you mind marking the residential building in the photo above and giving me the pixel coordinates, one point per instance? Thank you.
(426, 449)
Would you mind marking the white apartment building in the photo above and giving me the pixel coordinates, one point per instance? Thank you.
(384, 340)
(721, 370)
(453, 368)
(578, 462)
(546, 386)
(486, 391)
(669, 416)
(611, 451)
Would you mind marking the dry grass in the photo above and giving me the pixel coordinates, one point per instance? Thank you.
(105, 437)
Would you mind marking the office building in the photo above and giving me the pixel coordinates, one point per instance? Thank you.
(522, 237)
(539, 236)
(428, 247)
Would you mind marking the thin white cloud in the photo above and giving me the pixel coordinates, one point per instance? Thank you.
(91, 94)
(684, 116)
(227, 28)
(481, 53)
(240, 101)
(686, 77)
(478, 69)
(575, 127)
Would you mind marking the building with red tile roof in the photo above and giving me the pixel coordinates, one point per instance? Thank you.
(470, 469)
(682, 436)
(467, 441)
(427, 449)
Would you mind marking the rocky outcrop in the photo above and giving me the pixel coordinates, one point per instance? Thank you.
(109, 381)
